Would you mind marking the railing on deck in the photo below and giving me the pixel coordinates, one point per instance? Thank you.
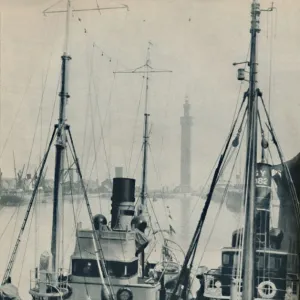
(292, 288)
(43, 282)
(213, 285)
(216, 289)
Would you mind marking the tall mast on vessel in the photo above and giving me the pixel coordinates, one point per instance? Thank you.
(60, 131)
(145, 137)
(61, 142)
(249, 247)
(249, 196)
(60, 151)
(147, 71)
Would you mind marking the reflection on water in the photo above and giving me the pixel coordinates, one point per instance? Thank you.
(185, 213)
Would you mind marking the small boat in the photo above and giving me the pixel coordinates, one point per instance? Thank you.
(12, 196)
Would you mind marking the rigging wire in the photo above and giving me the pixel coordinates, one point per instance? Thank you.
(101, 125)
(270, 68)
(166, 112)
(31, 219)
(285, 168)
(224, 199)
(110, 96)
(194, 243)
(11, 218)
(138, 161)
(233, 118)
(85, 133)
(23, 98)
(14, 253)
(135, 123)
(157, 174)
(75, 227)
(16, 115)
(99, 247)
(92, 121)
(102, 134)
(25, 251)
(52, 113)
(39, 115)
(14, 231)
(98, 146)
(103, 53)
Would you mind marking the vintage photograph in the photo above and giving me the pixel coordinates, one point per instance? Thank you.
(149, 150)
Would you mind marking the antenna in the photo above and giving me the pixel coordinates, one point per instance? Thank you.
(60, 132)
(145, 69)
(69, 10)
(250, 234)
(46, 11)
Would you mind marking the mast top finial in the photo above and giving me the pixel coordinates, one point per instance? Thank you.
(186, 99)
(186, 106)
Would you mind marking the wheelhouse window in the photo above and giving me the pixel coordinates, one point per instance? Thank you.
(226, 259)
(89, 268)
(275, 262)
(263, 260)
(85, 268)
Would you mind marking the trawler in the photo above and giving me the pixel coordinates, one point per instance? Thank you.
(109, 260)
(262, 261)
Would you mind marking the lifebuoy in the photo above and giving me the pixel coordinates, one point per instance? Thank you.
(270, 287)
(124, 293)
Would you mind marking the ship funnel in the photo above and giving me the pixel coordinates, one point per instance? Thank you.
(123, 203)
(263, 199)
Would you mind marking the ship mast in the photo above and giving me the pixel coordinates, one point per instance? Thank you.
(249, 196)
(60, 131)
(60, 151)
(147, 71)
(145, 138)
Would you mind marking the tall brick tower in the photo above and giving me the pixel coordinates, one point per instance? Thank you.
(185, 167)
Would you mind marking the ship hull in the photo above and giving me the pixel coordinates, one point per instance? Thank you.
(11, 200)
(287, 216)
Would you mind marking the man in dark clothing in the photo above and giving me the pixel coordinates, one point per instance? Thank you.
(200, 292)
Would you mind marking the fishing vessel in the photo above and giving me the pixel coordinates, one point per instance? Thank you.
(262, 260)
(109, 260)
(13, 196)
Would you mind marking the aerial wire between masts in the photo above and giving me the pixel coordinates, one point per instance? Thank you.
(249, 249)
(59, 163)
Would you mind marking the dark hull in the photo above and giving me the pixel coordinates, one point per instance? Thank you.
(12, 199)
(287, 217)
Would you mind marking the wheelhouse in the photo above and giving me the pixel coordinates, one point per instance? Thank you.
(272, 280)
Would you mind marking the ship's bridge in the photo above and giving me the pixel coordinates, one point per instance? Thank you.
(121, 242)
(118, 249)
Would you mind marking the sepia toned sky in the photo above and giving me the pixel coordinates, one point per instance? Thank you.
(197, 39)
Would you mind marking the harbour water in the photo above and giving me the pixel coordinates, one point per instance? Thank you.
(185, 213)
